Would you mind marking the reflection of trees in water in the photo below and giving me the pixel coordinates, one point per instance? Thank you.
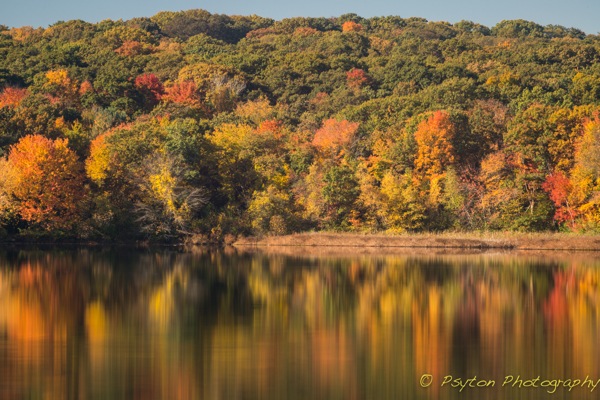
(150, 324)
(69, 311)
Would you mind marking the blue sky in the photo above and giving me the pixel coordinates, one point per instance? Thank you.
(582, 14)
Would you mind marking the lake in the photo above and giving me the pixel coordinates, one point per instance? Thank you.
(121, 323)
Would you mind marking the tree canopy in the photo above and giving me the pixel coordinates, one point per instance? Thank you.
(197, 123)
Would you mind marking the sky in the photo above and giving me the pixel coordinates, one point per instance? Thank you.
(581, 14)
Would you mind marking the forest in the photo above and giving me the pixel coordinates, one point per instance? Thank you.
(192, 123)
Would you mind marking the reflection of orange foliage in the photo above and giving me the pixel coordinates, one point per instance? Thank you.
(558, 321)
(29, 276)
(332, 362)
(555, 306)
(28, 316)
(34, 334)
(11, 97)
(96, 323)
(25, 320)
(431, 337)
(479, 315)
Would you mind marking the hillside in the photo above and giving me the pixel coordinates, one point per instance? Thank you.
(196, 123)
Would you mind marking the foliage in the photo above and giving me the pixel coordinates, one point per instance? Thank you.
(435, 152)
(334, 136)
(197, 123)
(44, 181)
(168, 204)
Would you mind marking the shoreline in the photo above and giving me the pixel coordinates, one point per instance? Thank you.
(466, 241)
(371, 242)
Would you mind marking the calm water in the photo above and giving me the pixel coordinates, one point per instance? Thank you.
(157, 324)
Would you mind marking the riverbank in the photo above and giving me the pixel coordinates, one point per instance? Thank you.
(471, 241)
(370, 243)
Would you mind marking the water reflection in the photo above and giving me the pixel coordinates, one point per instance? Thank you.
(99, 323)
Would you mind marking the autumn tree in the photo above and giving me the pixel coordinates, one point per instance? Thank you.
(254, 172)
(435, 154)
(350, 26)
(150, 88)
(59, 85)
(497, 177)
(12, 97)
(434, 146)
(356, 78)
(131, 48)
(271, 211)
(514, 198)
(45, 183)
(184, 92)
(114, 166)
(585, 177)
(559, 187)
(256, 111)
(334, 136)
(224, 93)
(168, 205)
(7, 202)
(402, 209)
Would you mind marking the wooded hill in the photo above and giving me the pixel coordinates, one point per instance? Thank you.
(191, 122)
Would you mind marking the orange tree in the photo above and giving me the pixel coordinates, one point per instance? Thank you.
(45, 182)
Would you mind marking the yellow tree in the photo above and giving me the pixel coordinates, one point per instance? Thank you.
(585, 176)
(59, 85)
(7, 205)
(168, 204)
(254, 173)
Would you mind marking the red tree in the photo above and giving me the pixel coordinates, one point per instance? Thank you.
(558, 187)
(151, 88)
